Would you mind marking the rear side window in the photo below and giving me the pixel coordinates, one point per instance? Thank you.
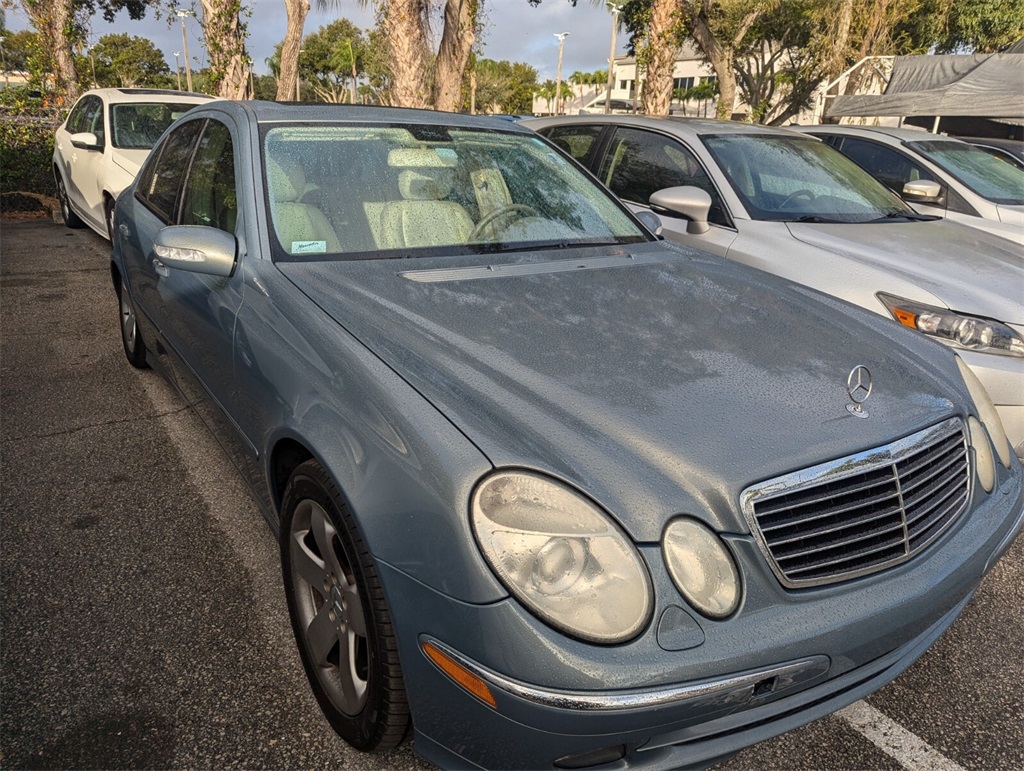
(578, 141)
(161, 180)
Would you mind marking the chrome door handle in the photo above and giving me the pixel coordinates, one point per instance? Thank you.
(160, 268)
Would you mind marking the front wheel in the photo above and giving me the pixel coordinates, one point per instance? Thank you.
(134, 347)
(71, 219)
(339, 615)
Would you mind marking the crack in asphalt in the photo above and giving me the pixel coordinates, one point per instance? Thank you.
(155, 416)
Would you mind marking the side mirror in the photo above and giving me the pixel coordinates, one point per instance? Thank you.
(196, 249)
(692, 202)
(650, 220)
(86, 140)
(922, 191)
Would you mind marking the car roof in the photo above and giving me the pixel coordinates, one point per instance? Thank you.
(901, 133)
(291, 112)
(119, 95)
(682, 126)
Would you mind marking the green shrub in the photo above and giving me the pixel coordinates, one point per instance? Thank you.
(27, 127)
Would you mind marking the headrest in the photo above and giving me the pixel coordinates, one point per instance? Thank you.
(424, 184)
(423, 158)
(287, 179)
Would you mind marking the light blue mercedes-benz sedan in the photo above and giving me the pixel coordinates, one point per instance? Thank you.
(550, 490)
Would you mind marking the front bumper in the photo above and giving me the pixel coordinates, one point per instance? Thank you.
(662, 700)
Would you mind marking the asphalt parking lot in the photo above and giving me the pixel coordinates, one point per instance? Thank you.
(143, 622)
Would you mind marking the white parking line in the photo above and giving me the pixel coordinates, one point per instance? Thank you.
(894, 740)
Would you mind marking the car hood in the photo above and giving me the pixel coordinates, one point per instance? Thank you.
(130, 160)
(659, 381)
(970, 270)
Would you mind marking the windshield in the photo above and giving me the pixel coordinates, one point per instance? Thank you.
(137, 126)
(983, 173)
(414, 190)
(799, 179)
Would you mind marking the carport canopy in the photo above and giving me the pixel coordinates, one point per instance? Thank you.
(973, 85)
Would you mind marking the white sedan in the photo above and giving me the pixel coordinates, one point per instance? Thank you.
(793, 206)
(99, 149)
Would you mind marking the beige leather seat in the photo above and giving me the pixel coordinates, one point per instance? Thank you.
(421, 218)
(301, 227)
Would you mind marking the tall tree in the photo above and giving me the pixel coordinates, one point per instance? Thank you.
(457, 38)
(128, 60)
(667, 26)
(289, 56)
(405, 22)
(225, 33)
(61, 25)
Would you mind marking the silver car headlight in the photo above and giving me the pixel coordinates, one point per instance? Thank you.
(561, 556)
(987, 413)
(701, 567)
(972, 333)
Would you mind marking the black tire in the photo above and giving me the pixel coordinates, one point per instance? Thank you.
(339, 615)
(131, 338)
(108, 215)
(71, 219)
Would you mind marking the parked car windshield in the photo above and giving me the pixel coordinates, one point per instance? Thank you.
(137, 126)
(798, 179)
(986, 175)
(360, 192)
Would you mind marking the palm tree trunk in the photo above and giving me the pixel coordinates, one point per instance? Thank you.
(297, 10)
(225, 44)
(456, 41)
(53, 20)
(407, 40)
(661, 43)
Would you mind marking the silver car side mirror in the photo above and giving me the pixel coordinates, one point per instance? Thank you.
(692, 202)
(650, 220)
(196, 249)
(922, 191)
(85, 140)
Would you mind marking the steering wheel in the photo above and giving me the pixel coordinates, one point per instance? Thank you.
(518, 209)
(802, 193)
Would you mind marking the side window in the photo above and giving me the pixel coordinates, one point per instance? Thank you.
(890, 167)
(639, 163)
(210, 189)
(578, 141)
(76, 120)
(161, 180)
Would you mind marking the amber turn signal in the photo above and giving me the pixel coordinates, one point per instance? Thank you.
(460, 674)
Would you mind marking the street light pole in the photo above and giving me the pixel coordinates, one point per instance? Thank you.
(298, 79)
(611, 57)
(558, 82)
(177, 67)
(184, 13)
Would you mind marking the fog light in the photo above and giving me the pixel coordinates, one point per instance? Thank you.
(592, 758)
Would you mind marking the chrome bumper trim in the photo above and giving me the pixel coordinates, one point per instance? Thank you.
(735, 690)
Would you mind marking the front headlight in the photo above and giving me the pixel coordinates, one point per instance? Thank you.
(972, 333)
(701, 567)
(987, 412)
(561, 556)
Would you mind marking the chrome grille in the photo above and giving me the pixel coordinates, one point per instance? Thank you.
(864, 513)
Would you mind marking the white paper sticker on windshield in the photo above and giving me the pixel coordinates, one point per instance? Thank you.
(309, 247)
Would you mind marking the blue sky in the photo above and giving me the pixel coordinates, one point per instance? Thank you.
(515, 31)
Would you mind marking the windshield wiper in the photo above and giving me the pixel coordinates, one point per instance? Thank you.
(906, 215)
(816, 218)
